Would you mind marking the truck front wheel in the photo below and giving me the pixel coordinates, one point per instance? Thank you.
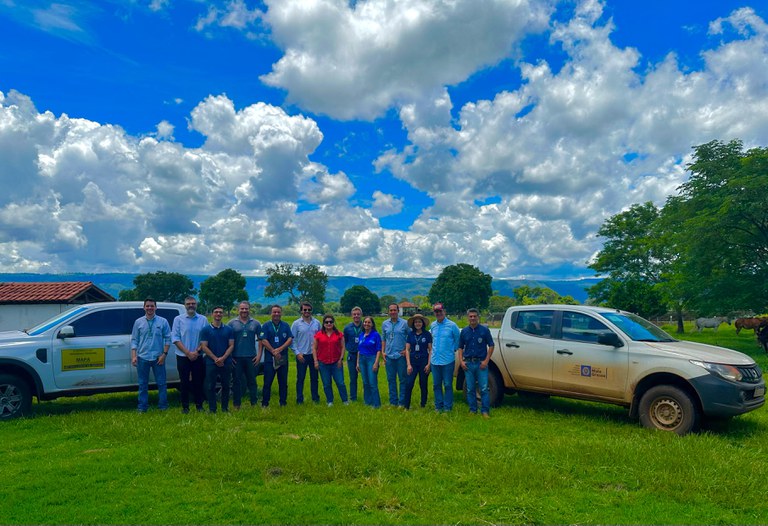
(15, 397)
(669, 408)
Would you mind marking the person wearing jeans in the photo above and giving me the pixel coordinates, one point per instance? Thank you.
(445, 341)
(369, 352)
(150, 340)
(475, 350)
(394, 334)
(304, 330)
(328, 354)
(351, 333)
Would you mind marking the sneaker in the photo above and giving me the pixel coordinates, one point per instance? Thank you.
(486, 416)
(330, 404)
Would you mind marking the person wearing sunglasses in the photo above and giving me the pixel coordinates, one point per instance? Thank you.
(304, 330)
(328, 354)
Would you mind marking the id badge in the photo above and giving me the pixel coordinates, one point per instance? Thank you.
(277, 339)
(416, 348)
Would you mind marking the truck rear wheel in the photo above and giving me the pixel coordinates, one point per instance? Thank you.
(15, 397)
(669, 408)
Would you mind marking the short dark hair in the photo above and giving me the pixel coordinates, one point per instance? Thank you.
(218, 307)
(305, 304)
(149, 300)
(470, 311)
(275, 306)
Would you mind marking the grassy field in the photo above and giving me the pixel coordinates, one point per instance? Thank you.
(95, 460)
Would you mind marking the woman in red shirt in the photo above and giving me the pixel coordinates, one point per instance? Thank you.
(328, 351)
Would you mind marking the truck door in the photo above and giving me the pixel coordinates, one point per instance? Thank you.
(583, 366)
(99, 353)
(527, 348)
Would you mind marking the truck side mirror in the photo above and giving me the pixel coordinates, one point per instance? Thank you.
(610, 338)
(66, 332)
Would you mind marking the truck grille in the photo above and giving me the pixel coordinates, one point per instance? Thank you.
(752, 374)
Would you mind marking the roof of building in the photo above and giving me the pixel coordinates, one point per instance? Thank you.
(407, 305)
(52, 292)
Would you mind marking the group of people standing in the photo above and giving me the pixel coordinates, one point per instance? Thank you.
(233, 352)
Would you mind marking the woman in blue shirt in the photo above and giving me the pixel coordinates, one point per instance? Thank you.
(368, 354)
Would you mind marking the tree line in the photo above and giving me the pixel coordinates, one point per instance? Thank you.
(459, 287)
(705, 250)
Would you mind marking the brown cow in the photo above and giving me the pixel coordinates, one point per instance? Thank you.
(749, 323)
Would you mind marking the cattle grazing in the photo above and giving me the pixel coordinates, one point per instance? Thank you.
(749, 323)
(762, 336)
(711, 323)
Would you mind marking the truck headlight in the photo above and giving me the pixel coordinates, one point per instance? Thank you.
(729, 372)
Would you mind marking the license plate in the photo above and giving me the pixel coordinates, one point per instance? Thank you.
(760, 391)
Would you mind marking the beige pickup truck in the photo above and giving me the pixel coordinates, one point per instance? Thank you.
(607, 355)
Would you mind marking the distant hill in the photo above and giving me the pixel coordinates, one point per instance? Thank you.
(113, 283)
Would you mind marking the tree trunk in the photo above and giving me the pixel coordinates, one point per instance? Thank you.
(680, 327)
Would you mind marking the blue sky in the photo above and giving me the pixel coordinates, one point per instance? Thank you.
(373, 138)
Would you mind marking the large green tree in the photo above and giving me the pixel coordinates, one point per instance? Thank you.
(160, 285)
(224, 289)
(300, 282)
(637, 259)
(460, 287)
(359, 296)
(721, 228)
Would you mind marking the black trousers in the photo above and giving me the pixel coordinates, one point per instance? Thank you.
(192, 376)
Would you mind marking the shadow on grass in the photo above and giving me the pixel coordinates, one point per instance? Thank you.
(738, 427)
(120, 402)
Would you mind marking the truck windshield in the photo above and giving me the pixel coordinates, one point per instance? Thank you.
(47, 324)
(637, 328)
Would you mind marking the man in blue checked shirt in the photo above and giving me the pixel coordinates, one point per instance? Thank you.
(475, 350)
(150, 340)
(445, 342)
(394, 334)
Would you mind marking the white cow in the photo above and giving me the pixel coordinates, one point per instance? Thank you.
(711, 323)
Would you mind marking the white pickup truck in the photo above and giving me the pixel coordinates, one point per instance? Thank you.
(607, 355)
(82, 351)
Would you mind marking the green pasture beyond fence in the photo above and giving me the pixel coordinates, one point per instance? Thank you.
(94, 460)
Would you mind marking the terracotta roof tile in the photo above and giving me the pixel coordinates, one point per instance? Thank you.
(44, 292)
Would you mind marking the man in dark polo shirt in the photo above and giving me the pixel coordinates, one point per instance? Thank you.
(275, 337)
(475, 350)
(247, 353)
(217, 341)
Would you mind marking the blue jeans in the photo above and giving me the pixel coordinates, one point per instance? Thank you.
(301, 374)
(396, 372)
(244, 373)
(475, 375)
(332, 370)
(352, 368)
(442, 381)
(211, 372)
(370, 380)
(418, 365)
(269, 376)
(142, 370)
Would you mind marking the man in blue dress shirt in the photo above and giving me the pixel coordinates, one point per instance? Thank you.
(150, 340)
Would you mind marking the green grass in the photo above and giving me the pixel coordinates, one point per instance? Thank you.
(95, 460)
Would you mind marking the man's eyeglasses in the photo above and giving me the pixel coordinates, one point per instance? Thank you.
(306, 310)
